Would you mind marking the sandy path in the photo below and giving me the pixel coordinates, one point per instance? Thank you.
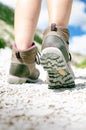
(35, 107)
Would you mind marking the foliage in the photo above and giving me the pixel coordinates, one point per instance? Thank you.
(2, 43)
(7, 14)
(82, 65)
(38, 39)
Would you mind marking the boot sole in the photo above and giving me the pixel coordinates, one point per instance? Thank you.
(16, 80)
(54, 63)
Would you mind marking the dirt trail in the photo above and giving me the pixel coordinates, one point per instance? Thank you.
(35, 107)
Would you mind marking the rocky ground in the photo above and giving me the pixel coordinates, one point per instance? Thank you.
(35, 107)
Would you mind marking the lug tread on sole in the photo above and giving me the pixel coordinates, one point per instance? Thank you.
(54, 64)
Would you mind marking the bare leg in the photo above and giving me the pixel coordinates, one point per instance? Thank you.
(59, 11)
(26, 17)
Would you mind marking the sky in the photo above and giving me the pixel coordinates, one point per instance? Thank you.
(77, 23)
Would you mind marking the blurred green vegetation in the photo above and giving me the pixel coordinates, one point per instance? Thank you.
(2, 43)
(82, 64)
(38, 39)
(7, 14)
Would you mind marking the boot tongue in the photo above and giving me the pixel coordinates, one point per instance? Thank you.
(53, 27)
(61, 32)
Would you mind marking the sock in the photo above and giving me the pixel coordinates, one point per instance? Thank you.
(24, 49)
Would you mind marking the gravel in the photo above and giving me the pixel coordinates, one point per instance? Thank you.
(35, 107)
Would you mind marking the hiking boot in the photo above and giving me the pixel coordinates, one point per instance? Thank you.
(55, 57)
(22, 67)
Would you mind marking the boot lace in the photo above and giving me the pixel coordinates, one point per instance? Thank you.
(37, 59)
